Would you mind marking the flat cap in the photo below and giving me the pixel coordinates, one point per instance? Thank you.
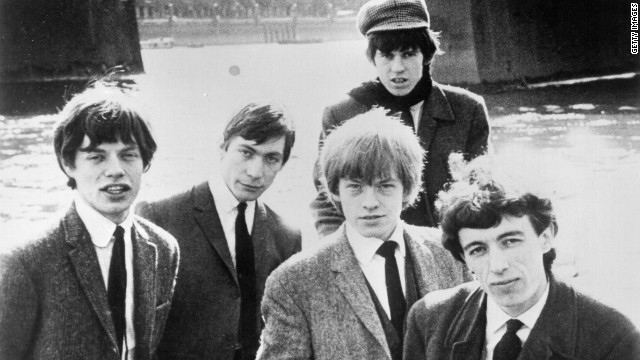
(386, 15)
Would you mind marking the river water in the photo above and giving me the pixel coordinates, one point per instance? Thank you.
(581, 143)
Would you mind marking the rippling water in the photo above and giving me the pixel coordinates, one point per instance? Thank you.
(581, 143)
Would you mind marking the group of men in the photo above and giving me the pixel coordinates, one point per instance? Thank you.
(212, 273)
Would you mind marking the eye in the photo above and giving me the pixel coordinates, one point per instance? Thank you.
(245, 153)
(273, 159)
(131, 155)
(409, 54)
(476, 251)
(510, 242)
(95, 157)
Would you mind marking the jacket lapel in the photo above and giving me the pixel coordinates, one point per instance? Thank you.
(206, 216)
(85, 262)
(423, 264)
(554, 334)
(144, 278)
(436, 108)
(352, 283)
(267, 258)
(465, 337)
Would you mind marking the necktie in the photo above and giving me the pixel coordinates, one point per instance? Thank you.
(246, 270)
(508, 348)
(395, 295)
(116, 289)
(407, 118)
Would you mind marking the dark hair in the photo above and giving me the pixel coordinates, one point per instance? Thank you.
(105, 115)
(369, 146)
(261, 122)
(480, 201)
(389, 41)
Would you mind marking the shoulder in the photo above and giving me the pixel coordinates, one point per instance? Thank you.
(456, 94)
(306, 268)
(345, 109)
(447, 302)
(155, 234)
(165, 204)
(281, 224)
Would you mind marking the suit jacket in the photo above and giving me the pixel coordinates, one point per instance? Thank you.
(53, 302)
(450, 324)
(318, 306)
(453, 121)
(204, 319)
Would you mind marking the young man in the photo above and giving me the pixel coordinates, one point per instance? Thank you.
(99, 285)
(230, 241)
(447, 119)
(518, 310)
(349, 299)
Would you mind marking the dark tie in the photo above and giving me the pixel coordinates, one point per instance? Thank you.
(394, 287)
(407, 118)
(246, 269)
(117, 288)
(508, 348)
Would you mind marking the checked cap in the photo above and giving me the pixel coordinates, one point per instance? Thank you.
(386, 15)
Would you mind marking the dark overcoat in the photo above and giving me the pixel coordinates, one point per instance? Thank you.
(53, 301)
(453, 120)
(450, 325)
(204, 319)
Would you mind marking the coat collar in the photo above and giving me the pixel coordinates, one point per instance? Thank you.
(85, 262)
(553, 335)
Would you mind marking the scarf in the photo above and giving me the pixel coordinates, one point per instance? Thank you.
(373, 93)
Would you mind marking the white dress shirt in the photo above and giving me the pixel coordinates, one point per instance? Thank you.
(416, 113)
(497, 322)
(101, 231)
(372, 264)
(227, 208)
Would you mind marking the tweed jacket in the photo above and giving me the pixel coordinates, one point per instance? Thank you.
(450, 324)
(453, 121)
(317, 305)
(53, 301)
(204, 319)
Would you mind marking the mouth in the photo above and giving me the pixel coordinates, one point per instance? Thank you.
(116, 189)
(251, 187)
(504, 282)
(371, 217)
(399, 81)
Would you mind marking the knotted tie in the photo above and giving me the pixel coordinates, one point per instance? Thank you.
(245, 267)
(395, 295)
(117, 287)
(508, 348)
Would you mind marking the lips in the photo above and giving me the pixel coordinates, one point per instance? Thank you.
(116, 189)
(503, 282)
(371, 217)
(251, 187)
(399, 81)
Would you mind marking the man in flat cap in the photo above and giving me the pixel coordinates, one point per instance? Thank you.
(445, 118)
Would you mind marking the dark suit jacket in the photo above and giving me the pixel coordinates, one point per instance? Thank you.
(318, 306)
(453, 121)
(53, 302)
(450, 324)
(203, 322)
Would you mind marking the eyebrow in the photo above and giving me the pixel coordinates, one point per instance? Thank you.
(90, 148)
(501, 236)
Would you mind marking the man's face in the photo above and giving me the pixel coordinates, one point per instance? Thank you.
(372, 209)
(108, 177)
(249, 169)
(399, 71)
(507, 260)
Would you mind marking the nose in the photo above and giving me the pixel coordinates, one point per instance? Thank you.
(498, 261)
(369, 198)
(254, 167)
(114, 167)
(397, 64)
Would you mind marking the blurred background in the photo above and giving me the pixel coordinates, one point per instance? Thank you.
(558, 77)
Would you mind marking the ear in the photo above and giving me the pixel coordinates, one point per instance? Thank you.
(547, 237)
(334, 197)
(67, 168)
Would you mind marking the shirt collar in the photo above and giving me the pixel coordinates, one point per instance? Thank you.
(496, 317)
(223, 196)
(365, 247)
(99, 227)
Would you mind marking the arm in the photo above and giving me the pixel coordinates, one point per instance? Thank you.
(478, 140)
(18, 310)
(286, 333)
(413, 343)
(326, 217)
